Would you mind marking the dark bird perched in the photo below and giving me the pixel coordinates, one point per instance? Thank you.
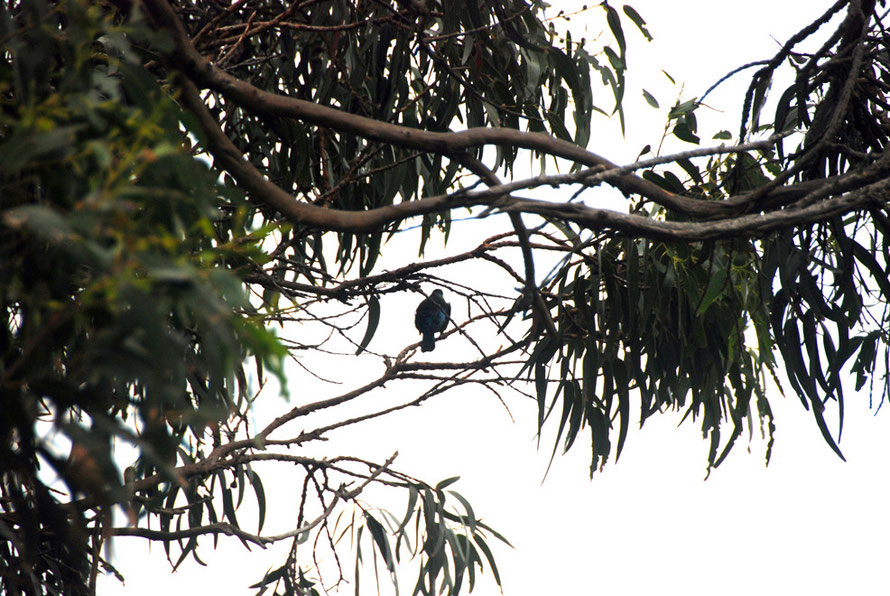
(431, 317)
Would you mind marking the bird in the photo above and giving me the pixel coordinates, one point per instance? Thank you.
(431, 317)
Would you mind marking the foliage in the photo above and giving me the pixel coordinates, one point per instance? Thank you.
(815, 291)
(124, 315)
(140, 284)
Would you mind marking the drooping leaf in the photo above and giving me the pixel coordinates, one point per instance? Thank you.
(373, 321)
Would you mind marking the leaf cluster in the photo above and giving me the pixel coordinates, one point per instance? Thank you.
(124, 318)
(700, 327)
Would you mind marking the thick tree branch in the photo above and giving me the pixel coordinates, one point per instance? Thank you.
(185, 58)
(875, 194)
(721, 213)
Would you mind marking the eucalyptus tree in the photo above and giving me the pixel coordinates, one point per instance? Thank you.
(193, 192)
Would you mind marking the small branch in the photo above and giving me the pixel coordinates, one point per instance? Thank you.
(262, 541)
(325, 403)
(349, 288)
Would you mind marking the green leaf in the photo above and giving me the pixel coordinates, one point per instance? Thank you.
(272, 577)
(413, 494)
(622, 382)
(541, 391)
(373, 321)
(682, 109)
(166, 518)
(683, 132)
(879, 274)
(566, 229)
(716, 286)
(358, 560)
(617, 62)
(190, 547)
(690, 168)
(228, 502)
(558, 128)
(379, 536)
(257, 485)
(489, 557)
(634, 16)
(471, 523)
(567, 70)
(668, 181)
(761, 91)
(447, 482)
(650, 99)
(615, 26)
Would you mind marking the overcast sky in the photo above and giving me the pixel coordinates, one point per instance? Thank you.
(650, 524)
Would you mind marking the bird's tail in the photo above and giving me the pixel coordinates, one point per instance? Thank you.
(428, 343)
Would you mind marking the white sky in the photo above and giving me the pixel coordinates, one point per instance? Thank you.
(650, 524)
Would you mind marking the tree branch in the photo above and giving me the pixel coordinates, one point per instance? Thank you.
(720, 213)
(202, 73)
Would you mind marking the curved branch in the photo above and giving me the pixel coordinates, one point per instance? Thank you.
(719, 213)
(877, 193)
(202, 73)
(531, 285)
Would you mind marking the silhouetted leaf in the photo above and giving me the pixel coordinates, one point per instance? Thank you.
(373, 321)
